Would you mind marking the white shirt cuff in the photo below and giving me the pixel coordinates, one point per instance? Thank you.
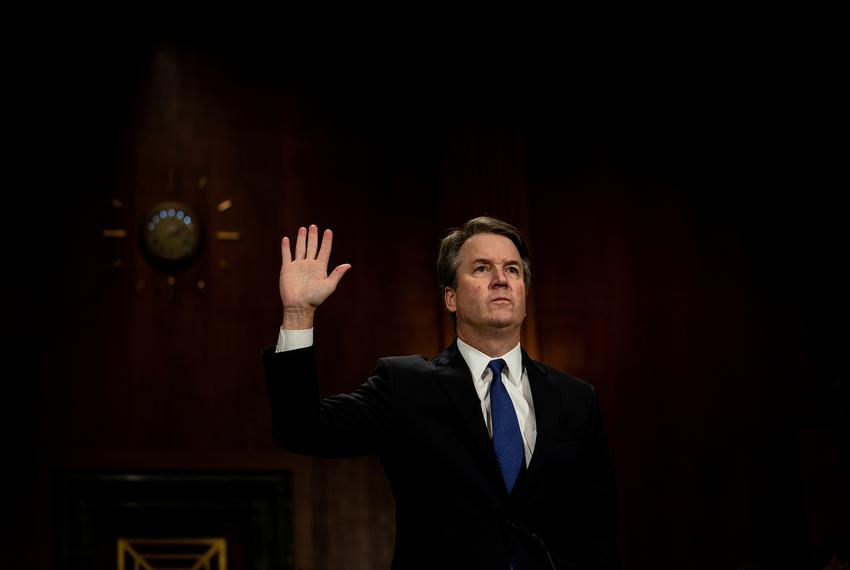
(293, 340)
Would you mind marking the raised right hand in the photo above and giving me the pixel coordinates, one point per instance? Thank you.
(304, 279)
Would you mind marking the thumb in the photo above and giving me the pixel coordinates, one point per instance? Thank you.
(337, 273)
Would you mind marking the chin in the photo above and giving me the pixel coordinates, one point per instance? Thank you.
(504, 323)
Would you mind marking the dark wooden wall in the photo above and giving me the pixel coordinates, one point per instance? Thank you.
(684, 262)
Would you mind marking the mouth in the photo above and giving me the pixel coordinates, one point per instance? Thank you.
(501, 300)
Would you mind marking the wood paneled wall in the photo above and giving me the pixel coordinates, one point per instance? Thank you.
(658, 277)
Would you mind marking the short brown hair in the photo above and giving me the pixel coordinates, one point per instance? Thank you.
(448, 259)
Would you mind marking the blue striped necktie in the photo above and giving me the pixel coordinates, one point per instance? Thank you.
(507, 438)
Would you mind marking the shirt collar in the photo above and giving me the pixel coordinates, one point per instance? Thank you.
(477, 362)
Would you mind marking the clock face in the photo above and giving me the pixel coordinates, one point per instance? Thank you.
(170, 235)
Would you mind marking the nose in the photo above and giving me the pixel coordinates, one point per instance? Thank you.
(500, 279)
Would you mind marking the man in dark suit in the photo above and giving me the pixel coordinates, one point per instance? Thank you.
(496, 461)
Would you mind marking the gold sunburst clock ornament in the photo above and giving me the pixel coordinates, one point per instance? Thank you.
(170, 236)
(170, 239)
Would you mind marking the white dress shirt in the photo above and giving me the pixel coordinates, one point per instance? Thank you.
(514, 377)
(292, 340)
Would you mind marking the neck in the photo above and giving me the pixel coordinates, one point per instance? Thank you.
(493, 343)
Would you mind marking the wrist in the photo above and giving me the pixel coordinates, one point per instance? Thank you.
(297, 318)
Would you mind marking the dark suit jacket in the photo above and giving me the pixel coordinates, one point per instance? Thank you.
(423, 419)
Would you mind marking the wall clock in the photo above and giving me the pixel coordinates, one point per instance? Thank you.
(171, 238)
(170, 235)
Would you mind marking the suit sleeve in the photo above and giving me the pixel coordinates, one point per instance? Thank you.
(345, 425)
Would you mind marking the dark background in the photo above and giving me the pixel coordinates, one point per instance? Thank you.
(685, 237)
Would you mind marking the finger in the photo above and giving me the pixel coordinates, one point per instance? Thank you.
(327, 242)
(300, 243)
(337, 273)
(312, 241)
(285, 252)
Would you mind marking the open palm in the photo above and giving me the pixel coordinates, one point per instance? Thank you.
(304, 279)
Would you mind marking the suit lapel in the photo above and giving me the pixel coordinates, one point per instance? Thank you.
(547, 404)
(455, 379)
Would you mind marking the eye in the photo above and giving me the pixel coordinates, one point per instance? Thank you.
(479, 268)
(513, 269)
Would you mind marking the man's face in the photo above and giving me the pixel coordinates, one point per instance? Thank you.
(490, 286)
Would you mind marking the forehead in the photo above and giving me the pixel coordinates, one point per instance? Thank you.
(488, 246)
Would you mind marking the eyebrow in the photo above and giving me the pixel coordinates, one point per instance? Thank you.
(488, 260)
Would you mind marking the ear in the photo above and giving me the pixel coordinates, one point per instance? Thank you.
(449, 299)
